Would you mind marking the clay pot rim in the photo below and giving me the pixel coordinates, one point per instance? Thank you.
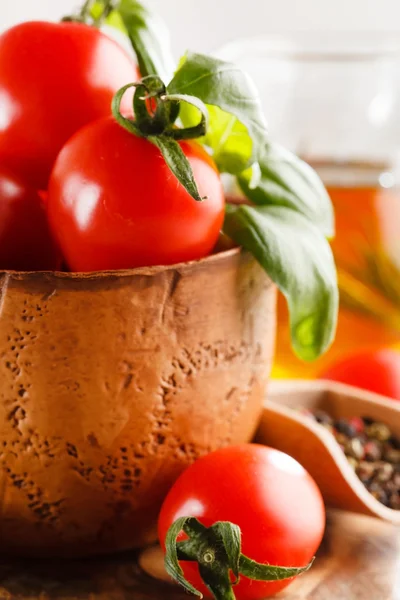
(122, 273)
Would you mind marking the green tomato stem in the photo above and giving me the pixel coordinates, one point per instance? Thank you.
(143, 119)
(161, 121)
(127, 124)
(221, 590)
(224, 595)
(217, 550)
(84, 12)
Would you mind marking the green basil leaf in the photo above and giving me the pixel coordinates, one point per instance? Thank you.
(286, 180)
(226, 137)
(197, 130)
(261, 572)
(237, 128)
(297, 257)
(177, 162)
(229, 141)
(96, 10)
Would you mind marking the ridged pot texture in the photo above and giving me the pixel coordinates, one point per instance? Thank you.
(112, 383)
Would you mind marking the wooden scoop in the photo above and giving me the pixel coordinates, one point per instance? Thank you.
(315, 448)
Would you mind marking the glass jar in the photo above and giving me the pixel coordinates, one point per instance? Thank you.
(334, 100)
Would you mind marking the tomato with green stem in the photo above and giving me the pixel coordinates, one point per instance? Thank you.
(114, 204)
(54, 79)
(26, 243)
(274, 501)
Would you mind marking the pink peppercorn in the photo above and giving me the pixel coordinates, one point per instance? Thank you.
(357, 423)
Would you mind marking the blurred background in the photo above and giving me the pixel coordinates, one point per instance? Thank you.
(208, 24)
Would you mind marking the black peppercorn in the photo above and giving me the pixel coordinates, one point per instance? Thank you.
(377, 491)
(372, 450)
(365, 471)
(344, 427)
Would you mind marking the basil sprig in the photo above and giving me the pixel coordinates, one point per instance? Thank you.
(296, 255)
(286, 180)
(216, 102)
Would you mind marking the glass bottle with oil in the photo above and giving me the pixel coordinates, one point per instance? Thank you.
(334, 99)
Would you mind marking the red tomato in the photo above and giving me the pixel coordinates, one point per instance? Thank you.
(54, 78)
(25, 239)
(114, 204)
(377, 371)
(275, 502)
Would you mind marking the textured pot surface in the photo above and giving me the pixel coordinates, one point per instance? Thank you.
(111, 383)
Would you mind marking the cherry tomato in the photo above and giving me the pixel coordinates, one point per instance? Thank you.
(114, 204)
(54, 78)
(25, 240)
(377, 371)
(275, 502)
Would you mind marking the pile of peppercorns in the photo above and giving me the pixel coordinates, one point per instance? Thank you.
(372, 450)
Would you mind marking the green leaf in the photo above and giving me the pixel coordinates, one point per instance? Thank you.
(299, 260)
(231, 537)
(148, 34)
(171, 561)
(177, 162)
(260, 572)
(286, 180)
(96, 10)
(197, 130)
(229, 140)
(237, 130)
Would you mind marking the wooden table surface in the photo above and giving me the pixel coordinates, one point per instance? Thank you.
(359, 560)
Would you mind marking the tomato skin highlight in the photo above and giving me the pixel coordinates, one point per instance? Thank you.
(54, 79)
(275, 502)
(114, 203)
(376, 371)
(26, 243)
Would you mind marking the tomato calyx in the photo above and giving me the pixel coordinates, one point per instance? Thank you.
(156, 111)
(155, 115)
(217, 550)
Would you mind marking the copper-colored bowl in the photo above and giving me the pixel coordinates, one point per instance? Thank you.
(111, 383)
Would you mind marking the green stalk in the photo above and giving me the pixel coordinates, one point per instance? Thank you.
(159, 128)
(217, 550)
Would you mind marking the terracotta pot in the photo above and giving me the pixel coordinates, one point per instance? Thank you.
(111, 383)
